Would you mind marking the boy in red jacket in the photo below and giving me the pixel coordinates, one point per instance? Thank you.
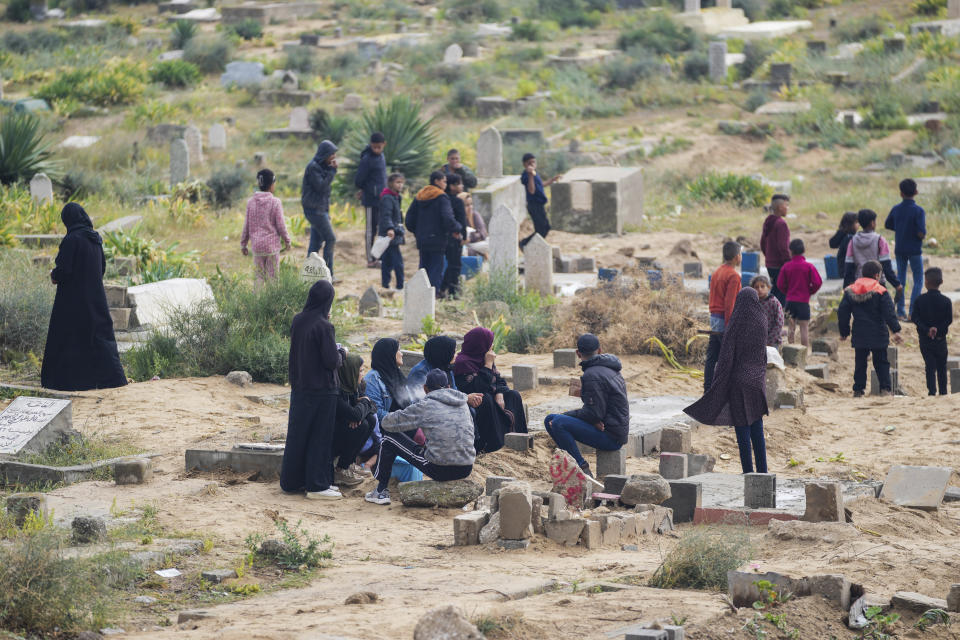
(775, 241)
(724, 287)
(799, 280)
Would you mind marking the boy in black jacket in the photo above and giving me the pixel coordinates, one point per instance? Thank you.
(871, 307)
(391, 225)
(451, 277)
(430, 219)
(371, 178)
(933, 313)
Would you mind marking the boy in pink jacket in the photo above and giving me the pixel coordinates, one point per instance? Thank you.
(264, 227)
(799, 280)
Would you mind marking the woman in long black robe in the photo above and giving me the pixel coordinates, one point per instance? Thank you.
(81, 350)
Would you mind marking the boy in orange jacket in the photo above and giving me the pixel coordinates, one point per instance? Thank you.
(724, 287)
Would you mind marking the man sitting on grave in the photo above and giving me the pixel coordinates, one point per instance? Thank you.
(604, 420)
(445, 419)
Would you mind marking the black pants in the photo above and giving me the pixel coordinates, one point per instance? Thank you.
(538, 214)
(432, 263)
(451, 277)
(713, 354)
(751, 437)
(348, 442)
(880, 364)
(321, 233)
(398, 444)
(934, 354)
(774, 272)
(307, 454)
(391, 261)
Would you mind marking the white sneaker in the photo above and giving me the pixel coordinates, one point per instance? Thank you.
(329, 494)
(378, 497)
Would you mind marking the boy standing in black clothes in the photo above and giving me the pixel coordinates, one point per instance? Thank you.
(933, 313)
(536, 197)
(454, 251)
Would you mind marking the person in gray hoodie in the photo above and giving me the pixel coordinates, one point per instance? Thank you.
(444, 416)
(315, 199)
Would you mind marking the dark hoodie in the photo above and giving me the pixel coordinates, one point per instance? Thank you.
(775, 241)
(371, 176)
(430, 219)
(391, 215)
(871, 307)
(604, 395)
(314, 356)
(317, 178)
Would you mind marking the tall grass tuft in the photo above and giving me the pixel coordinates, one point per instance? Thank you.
(26, 300)
(743, 191)
(702, 559)
(530, 317)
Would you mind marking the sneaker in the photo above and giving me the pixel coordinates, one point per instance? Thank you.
(858, 394)
(585, 467)
(346, 477)
(378, 497)
(328, 494)
(886, 392)
(360, 471)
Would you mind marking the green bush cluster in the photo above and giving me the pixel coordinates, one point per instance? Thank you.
(302, 59)
(474, 10)
(182, 32)
(660, 33)
(248, 29)
(178, 74)
(928, 7)
(117, 82)
(530, 317)
(330, 127)
(24, 42)
(743, 191)
(26, 300)
(17, 11)
(574, 13)
(624, 72)
(227, 185)
(210, 53)
(411, 139)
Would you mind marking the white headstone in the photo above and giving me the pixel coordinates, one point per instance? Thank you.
(452, 54)
(691, 6)
(33, 424)
(194, 140)
(179, 162)
(242, 74)
(41, 188)
(718, 61)
(299, 119)
(504, 240)
(314, 268)
(419, 301)
(490, 153)
(953, 9)
(352, 102)
(217, 138)
(538, 266)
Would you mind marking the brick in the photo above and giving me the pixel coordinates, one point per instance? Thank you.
(698, 463)
(794, 355)
(834, 587)
(566, 532)
(760, 490)
(614, 462)
(824, 502)
(916, 602)
(466, 527)
(513, 545)
(953, 362)
(685, 498)
(821, 371)
(674, 632)
(918, 487)
(875, 381)
(495, 482)
(954, 380)
(565, 358)
(518, 441)
(613, 483)
(555, 505)
(774, 382)
(676, 440)
(827, 346)
(120, 318)
(536, 514)
(612, 528)
(647, 634)
(673, 466)
(634, 446)
(591, 536)
(116, 295)
(629, 532)
(524, 377)
(953, 598)
(651, 442)
(516, 505)
(136, 471)
(893, 356)
(789, 399)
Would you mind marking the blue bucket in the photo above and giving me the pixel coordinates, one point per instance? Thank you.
(608, 275)
(832, 267)
(751, 262)
(470, 266)
(746, 277)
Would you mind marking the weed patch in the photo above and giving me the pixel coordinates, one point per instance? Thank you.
(702, 559)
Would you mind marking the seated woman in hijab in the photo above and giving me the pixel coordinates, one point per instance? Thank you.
(356, 419)
(385, 383)
(81, 350)
(475, 371)
(438, 353)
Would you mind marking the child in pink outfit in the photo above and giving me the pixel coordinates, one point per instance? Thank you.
(800, 280)
(264, 227)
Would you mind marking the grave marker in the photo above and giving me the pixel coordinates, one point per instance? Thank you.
(179, 162)
(538, 266)
(504, 243)
(41, 188)
(194, 141)
(299, 119)
(453, 54)
(419, 301)
(32, 424)
(953, 9)
(489, 154)
(919, 487)
(217, 138)
(691, 6)
(718, 61)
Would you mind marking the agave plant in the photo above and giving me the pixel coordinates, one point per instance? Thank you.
(410, 139)
(181, 32)
(23, 150)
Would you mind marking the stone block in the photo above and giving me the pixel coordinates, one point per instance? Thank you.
(591, 535)
(536, 514)
(833, 587)
(875, 381)
(774, 382)
(566, 532)
(240, 378)
(824, 502)
(87, 529)
(673, 466)
(918, 487)
(794, 355)
(565, 358)
(698, 463)
(953, 598)
(789, 399)
(518, 441)
(216, 576)
(524, 377)
(467, 526)
(516, 505)
(555, 504)
(676, 440)
(630, 527)
(20, 505)
(136, 471)
(646, 634)
(828, 346)
(612, 529)
(893, 357)
(191, 615)
(651, 441)
(116, 295)
(597, 199)
(613, 483)
(674, 632)
(916, 602)
(513, 545)
(954, 380)
(692, 270)
(821, 371)
(611, 462)
(685, 498)
(760, 490)
(645, 488)
(743, 590)
(431, 493)
(953, 362)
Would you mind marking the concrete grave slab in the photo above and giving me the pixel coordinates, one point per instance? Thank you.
(597, 199)
(153, 303)
(919, 487)
(30, 425)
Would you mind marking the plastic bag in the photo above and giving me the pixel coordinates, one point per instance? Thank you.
(379, 246)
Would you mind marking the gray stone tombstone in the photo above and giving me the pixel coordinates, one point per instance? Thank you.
(41, 188)
(490, 154)
(953, 9)
(691, 6)
(718, 61)
(419, 301)
(370, 304)
(217, 138)
(299, 119)
(538, 266)
(453, 54)
(504, 240)
(179, 162)
(32, 424)
(242, 74)
(780, 73)
(194, 140)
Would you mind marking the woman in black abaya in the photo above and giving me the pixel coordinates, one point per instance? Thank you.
(81, 350)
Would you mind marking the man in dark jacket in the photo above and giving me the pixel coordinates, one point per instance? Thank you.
(909, 221)
(455, 166)
(871, 307)
(454, 251)
(430, 219)
(315, 199)
(604, 420)
(371, 179)
(391, 225)
(775, 242)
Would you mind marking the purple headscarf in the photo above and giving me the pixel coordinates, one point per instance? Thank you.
(476, 344)
(738, 395)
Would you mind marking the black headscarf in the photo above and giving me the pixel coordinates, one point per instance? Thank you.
(439, 351)
(383, 360)
(350, 374)
(320, 298)
(76, 220)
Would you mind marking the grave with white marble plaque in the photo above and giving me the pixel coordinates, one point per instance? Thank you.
(30, 425)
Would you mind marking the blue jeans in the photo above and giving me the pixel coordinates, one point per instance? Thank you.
(321, 232)
(432, 262)
(746, 436)
(567, 431)
(916, 265)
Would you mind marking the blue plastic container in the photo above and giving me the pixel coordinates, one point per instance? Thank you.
(607, 274)
(832, 267)
(470, 266)
(746, 277)
(751, 262)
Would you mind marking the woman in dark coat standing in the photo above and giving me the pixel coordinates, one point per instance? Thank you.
(738, 395)
(475, 371)
(314, 388)
(81, 350)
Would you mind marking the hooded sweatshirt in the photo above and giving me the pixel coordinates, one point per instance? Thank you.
(371, 176)
(314, 356)
(317, 178)
(444, 417)
(264, 225)
(871, 307)
(430, 219)
(391, 215)
(866, 246)
(604, 395)
(775, 241)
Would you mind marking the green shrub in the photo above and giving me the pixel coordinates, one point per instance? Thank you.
(227, 185)
(858, 29)
(884, 112)
(755, 53)
(821, 126)
(410, 139)
(302, 59)
(659, 33)
(534, 30)
(333, 128)
(928, 7)
(474, 10)
(624, 72)
(210, 54)
(132, 244)
(248, 29)
(530, 317)
(755, 100)
(743, 191)
(18, 11)
(754, 10)
(696, 66)
(298, 548)
(78, 183)
(702, 559)
(23, 149)
(572, 13)
(182, 32)
(33, 40)
(119, 82)
(26, 300)
(464, 95)
(175, 73)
